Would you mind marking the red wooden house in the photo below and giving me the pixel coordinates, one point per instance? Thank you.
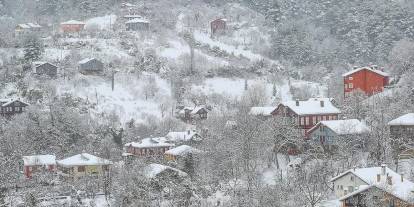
(369, 80)
(72, 26)
(218, 26)
(306, 114)
(149, 147)
(38, 164)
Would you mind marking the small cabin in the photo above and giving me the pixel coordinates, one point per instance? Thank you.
(45, 68)
(218, 26)
(27, 28)
(137, 24)
(11, 107)
(149, 147)
(370, 80)
(72, 26)
(37, 164)
(91, 66)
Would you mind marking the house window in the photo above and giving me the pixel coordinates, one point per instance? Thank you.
(351, 78)
(342, 187)
(307, 120)
(81, 168)
(302, 121)
(351, 85)
(346, 86)
(314, 120)
(352, 178)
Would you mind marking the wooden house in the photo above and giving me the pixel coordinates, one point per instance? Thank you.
(72, 26)
(11, 107)
(218, 26)
(137, 24)
(306, 114)
(403, 127)
(332, 133)
(369, 80)
(381, 185)
(189, 114)
(180, 152)
(45, 68)
(149, 147)
(188, 137)
(90, 66)
(38, 164)
(84, 165)
(27, 28)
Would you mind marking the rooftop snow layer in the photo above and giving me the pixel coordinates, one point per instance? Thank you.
(365, 68)
(344, 127)
(181, 136)
(406, 120)
(83, 159)
(263, 111)
(182, 150)
(85, 60)
(151, 143)
(36, 160)
(312, 106)
(137, 20)
(152, 170)
(73, 22)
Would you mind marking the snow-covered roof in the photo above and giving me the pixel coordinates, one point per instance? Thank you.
(6, 102)
(401, 189)
(406, 120)
(152, 170)
(365, 68)
(39, 63)
(151, 143)
(263, 111)
(182, 150)
(344, 127)
(198, 108)
(312, 106)
(83, 61)
(73, 22)
(137, 20)
(128, 16)
(36, 160)
(29, 25)
(83, 159)
(182, 136)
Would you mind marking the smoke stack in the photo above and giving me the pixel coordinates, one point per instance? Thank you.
(378, 178)
(297, 102)
(322, 104)
(402, 178)
(383, 169)
(355, 67)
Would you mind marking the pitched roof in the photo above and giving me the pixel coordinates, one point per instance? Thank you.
(83, 61)
(312, 106)
(344, 127)
(152, 170)
(35, 160)
(83, 159)
(29, 25)
(365, 68)
(137, 20)
(182, 150)
(151, 143)
(73, 22)
(401, 189)
(6, 102)
(263, 111)
(182, 136)
(406, 120)
(198, 109)
(40, 63)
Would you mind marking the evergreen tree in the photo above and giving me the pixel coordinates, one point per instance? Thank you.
(33, 49)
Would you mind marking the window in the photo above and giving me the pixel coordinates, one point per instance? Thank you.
(351, 85)
(346, 86)
(314, 120)
(352, 178)
(302, 121)
(342, 187)
(307, 120)
(81, 168)
(351, 78)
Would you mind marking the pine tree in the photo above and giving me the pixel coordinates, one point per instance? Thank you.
(33, 49)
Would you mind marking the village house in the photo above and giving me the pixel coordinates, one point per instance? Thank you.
(263, 112)
(218, 26)
(180, 152)
(306, 114)
(90, 66)
(330, 133)
(72, 26)
(189, 137)
(189, 114)
(37, 164)
(45, 68)
(129, 17)
(148, 147)
(137, 24)
(370, 80)
(27, 28)
(11, 107)
(84, 164)
(403, 127)
(358, 186)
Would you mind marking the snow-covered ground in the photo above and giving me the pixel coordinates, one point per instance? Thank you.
(101, 23)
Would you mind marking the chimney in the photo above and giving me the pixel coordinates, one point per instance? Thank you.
(378, 178)
(322, 103)
(355, 67)
(297, 102)
(402, 178)
(188, 131)
(383, 169)
(389, 180)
